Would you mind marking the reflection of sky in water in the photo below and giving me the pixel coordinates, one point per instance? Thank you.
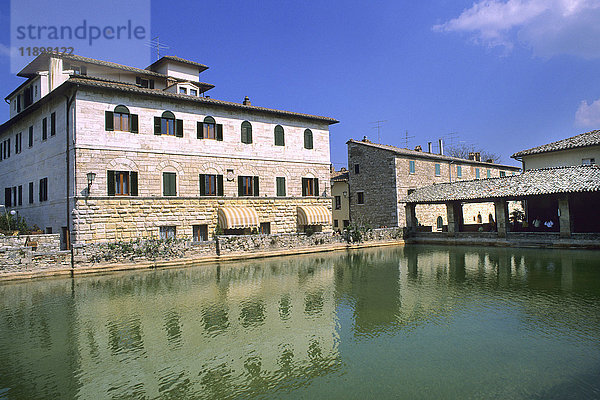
(415, 322)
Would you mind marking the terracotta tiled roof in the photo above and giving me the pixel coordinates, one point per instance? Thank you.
(127, 87)
(202, 67)
(530, 183)
(591, 138)
(433, 156)
(339, 176)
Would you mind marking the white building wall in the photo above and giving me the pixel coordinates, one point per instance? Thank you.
(561, 158)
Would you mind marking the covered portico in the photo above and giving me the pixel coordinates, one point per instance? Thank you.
(562, 200)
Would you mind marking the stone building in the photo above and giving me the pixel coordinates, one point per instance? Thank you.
(381, 176)
(341, 203)
(101, 151)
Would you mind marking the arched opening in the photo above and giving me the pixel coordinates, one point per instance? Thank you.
(440, 223)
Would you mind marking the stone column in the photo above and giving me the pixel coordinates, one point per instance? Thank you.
(411, 216)
(501, 208)
(454, 213)
(564, 219)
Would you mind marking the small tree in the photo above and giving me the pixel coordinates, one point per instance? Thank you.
(9, 223)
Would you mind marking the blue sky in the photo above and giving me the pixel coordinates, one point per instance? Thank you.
(504, 75)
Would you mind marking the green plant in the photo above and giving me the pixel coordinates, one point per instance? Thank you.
(517, 216)
(218, 230)
(355, 233)
(9, 223)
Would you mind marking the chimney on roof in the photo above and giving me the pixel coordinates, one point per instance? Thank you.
(489, 160)
(418, 148)
(331, 169)
(441, 147)
(473, 156)
(366, 140)
(343, 169)
(247, 101)
(429, 147)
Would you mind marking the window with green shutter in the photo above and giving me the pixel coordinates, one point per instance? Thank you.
(310, 187)
(411, 166)
(209, 129)
(246, 132)
(169, 184)
(489, 173)
(280, 183)
(121, 120)
(458, 171)
(279, 136)
(166, 124)
(438, 170)
(476, 173)
(248, 186)
(308, 139)
(122, 183)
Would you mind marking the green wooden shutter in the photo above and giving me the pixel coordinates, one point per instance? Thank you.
(256, 190)
(200, 130)
(109, 120)
(179, 128)
(202, 180)
(316, 187)
(157, 127)
(52, 124)
(240, 186)
(173, 185)
(249, 133)
(220, 132)
(280, 186)
(219, 185)
(110, 178)
(304, 184)
(134, 123)
(134, 183)
(165, 184)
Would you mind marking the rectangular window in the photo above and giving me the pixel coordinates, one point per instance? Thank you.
(167, 126)
(193, 92)
(20, 195)
(502, 174)
(411, 167)
(280, 183)
(265, 228)
(18, 142)
(200, 233)
(310, 187)
(338, 202)
(145, 83)
(121, 122)
(489, 173)
(169, 184)
(182, 90)
(357, 168)
(346, 223)
(458, 171)
(44, 128)
(167, 232)
(7, 147)
(360, 197)
(209, 130)
(588, 161)
(48, 230)
(122, 183)
(211, 185)
(335, 223)
(14, 193)
(31, 136)
(7, 197)
(438, 170)
(44, 189)
(476, 173)
(248, 186)
(52, 124)
(30, 192)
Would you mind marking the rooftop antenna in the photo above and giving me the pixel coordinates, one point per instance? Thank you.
(452, 137)
(406, 137)
(156, 44)
(378, 125)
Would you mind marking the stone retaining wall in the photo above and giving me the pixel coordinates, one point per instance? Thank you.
(29, 253)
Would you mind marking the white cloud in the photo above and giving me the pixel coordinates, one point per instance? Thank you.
(588, 115)
(548, 27)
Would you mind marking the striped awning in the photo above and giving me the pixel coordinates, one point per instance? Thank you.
(313, 215)
(238, 217)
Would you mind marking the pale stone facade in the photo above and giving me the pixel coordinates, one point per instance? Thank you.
(385, 175)
(84, 146)
(341, 204)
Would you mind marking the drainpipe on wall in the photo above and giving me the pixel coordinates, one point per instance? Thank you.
(69, 102)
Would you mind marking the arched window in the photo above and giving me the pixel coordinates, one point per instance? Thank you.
(246, 132)
(121, 120)
(440, 223)
(165, 124)
(479, 219)
(491, 218)
(209, 128)
(308, 139)
(279, 136)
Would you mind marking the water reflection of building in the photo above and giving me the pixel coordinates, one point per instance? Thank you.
(231, 330)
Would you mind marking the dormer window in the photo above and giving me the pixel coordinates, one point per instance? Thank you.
(193, 92)
(145, 83)
(82, 70)
(183, 90)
